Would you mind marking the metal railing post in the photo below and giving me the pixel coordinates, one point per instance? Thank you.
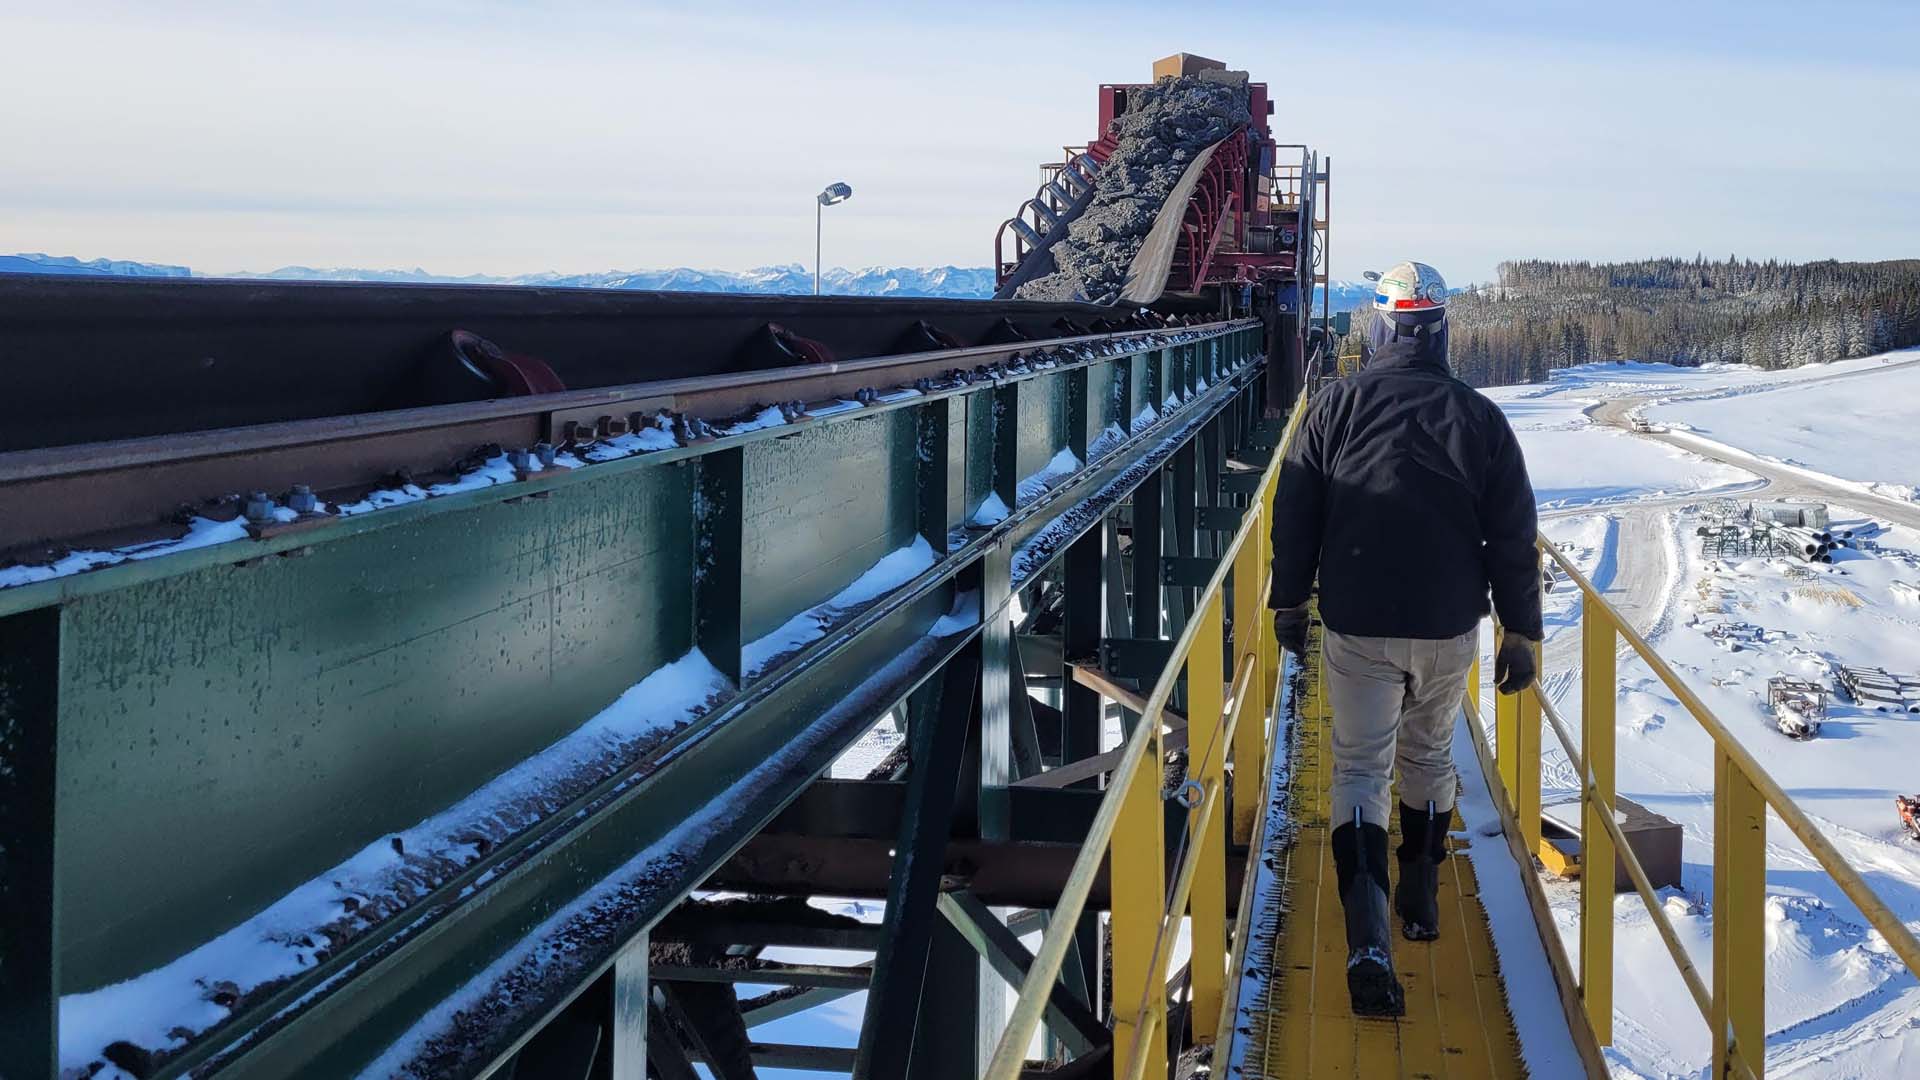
(1262, 540)
(1473, 683)
(1137, 873)
(1739, 918)
(1599, 691)
(1251, 630)
(1526, 752)
(1207, 754)
(1506, 730)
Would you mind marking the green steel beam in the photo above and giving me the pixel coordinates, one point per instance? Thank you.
(719, 1039)
(627, 1013)
(900, 967)
(1220, 518)
(766, 974)
(335, 687)
(947, 1044)
(666, 1058)
(29, 942)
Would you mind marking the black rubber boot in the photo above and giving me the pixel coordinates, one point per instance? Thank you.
(1360, 858)
(1423, 844)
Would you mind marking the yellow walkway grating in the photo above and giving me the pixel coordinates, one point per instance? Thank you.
(1294, 1020)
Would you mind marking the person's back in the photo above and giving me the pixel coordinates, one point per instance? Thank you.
(1425, 504)
(1406, 494)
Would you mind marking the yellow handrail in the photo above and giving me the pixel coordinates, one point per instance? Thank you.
(1733, 1005)
(1137, 1040)
(1146, 914)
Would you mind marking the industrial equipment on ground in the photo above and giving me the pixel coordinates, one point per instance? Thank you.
(1908, 807)
(1798, 706)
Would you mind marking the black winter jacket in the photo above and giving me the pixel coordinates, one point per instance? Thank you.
(1406, 491)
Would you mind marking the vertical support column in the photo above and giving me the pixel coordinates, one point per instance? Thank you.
(996, 693)
(933, 422)
(1148, 499)
(1598, 690)
(1081, 413)
(1473, 684)
(1186, 500)
(1250, 634)
(1207, 897)
(1006, 443)
(900, 966)
(1739, 917)
(627, 1039)
(1526, 747)
(1212, 466)
(1083, 626)
(1137, 874)
(947, 1043)
(719, 497)
(1270, 659)
(1154, 388)
(29, 924)
(1506, 727)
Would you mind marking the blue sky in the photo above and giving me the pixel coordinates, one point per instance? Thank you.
(505, 138)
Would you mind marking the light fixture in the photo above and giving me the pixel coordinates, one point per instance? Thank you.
(836, 192)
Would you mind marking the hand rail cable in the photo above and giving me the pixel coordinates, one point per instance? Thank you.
(1009, 1054)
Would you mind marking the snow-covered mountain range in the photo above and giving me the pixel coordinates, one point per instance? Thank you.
(63, 264)
(942, 281)
(955, 282)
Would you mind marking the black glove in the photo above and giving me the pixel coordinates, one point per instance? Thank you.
(1290, 629)
(1514, 667)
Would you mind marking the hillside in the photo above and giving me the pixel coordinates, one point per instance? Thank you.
(1542, 316)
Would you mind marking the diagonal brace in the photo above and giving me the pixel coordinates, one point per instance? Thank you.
(997, 943)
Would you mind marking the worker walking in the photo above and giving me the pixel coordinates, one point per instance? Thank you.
(1405, 491)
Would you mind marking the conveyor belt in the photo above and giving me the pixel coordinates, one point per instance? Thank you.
(1293, 1016)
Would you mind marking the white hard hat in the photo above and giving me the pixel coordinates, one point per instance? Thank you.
(1408, 287)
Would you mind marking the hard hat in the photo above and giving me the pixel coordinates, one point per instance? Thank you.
(1408, 287)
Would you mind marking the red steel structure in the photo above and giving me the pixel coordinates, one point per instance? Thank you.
(1253, 232)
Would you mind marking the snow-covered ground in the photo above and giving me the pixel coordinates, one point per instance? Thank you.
(1839, 1004)
(1574, 462)
(1829, 425)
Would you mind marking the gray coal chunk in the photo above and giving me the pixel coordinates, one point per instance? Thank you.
(1167, 124)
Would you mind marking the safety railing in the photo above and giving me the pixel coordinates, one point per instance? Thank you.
(1127, 831)
(1732, 1001)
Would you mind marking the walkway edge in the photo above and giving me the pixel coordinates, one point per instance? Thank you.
(1474, 773)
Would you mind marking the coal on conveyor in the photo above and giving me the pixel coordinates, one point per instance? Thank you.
(1165, 126)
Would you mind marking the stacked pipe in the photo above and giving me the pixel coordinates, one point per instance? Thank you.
(1813, 545)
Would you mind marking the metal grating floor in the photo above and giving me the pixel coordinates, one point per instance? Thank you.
(1293, 1018)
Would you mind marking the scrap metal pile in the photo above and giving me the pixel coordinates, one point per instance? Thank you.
(1761, 530)
(1878, 688)
(1164, 127)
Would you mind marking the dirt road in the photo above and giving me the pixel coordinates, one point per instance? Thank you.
(1781, 483)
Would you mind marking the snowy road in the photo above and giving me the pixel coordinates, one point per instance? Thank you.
(1781, 481)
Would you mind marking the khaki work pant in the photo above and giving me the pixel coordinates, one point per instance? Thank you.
(1394, 700)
